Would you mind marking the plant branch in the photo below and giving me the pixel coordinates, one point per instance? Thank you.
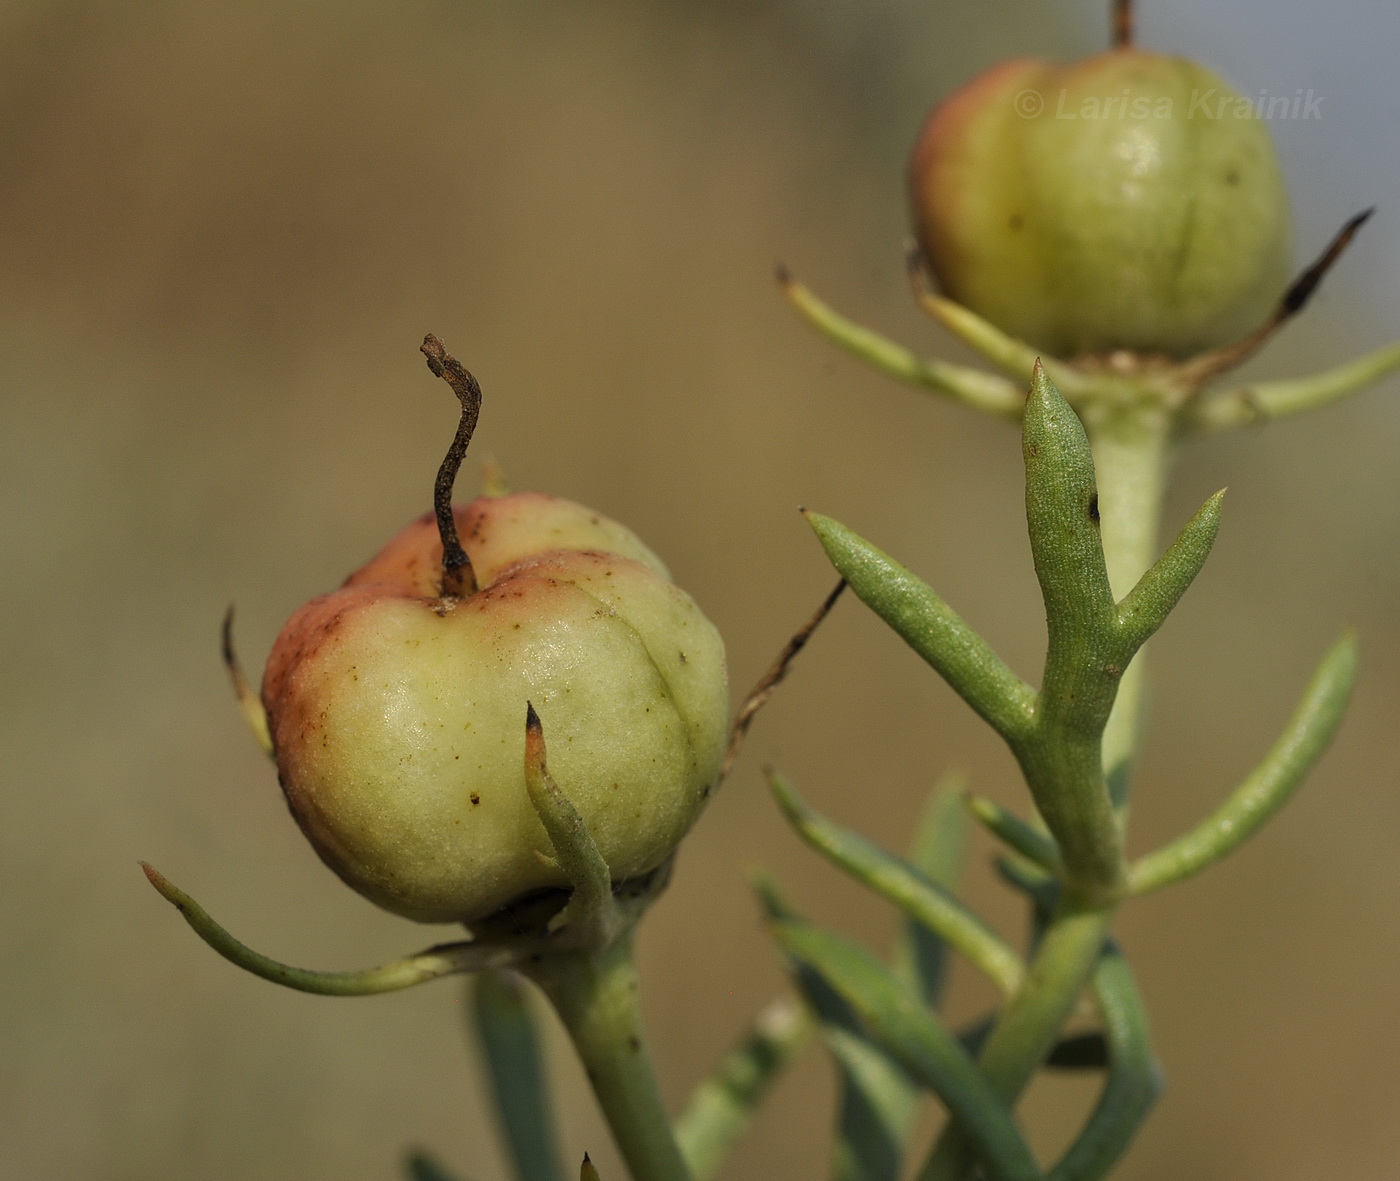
(777, 671)
(595, 993)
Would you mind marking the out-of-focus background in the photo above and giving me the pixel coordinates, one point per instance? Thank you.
(224, 228)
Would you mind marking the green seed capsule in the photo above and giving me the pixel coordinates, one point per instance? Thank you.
(1126, 202)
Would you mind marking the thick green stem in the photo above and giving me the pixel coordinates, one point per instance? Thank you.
(1132, 452)
(1027, 1030)
(595, 995)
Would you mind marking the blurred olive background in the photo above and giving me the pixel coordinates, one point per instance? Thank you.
(224, 229)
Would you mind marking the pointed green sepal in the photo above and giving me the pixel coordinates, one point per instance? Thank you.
(899, 1023)
(906, 887)
(724, 1104)
(575, 851)
(1268, 787)
(981, 391)
(1013, 357)
(933, 629)
(1263, 401)
(1146, 607)
(1030, 842)
(445, 959)
(510, 1047)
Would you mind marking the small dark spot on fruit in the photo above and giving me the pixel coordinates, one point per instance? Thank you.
(1033, 449)
(684, 659)
(475, 799)
(1232, 177)
(634, 1043)
(1016, 221)
(1094, 508)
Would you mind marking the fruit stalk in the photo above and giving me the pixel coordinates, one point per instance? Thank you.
(595, 994)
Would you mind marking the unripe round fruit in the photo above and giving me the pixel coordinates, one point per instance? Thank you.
(398, 717)
(1129, 201)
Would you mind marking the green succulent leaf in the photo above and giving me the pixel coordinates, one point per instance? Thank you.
(933, 629)
(1063, 758)
(878, 1099)
(896, 1020)
(506, 1034)
(937, 851)
(1030, 842)
(1062, 514)
(1268, 787)
(1146, 607)
(905, 886)
(723, 1105)
(1134, 1080)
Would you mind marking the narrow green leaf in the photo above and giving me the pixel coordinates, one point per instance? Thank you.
(1031, 843)
(510, 1047)
(446, 959)
(1268, 787)
(905, 886)
(878, 1102)
(1146, 607)
(1013, 357)
(937, 851)
(1062, 513)
(972, 387)
(898, 1022)
(933, 629)
(723, 1105)
(878, 1099)
(1134, 1080)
